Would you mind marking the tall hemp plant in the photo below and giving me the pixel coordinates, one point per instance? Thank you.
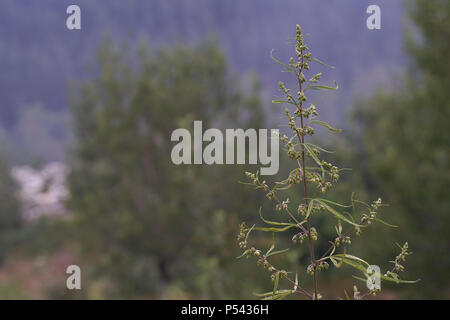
(310, 170)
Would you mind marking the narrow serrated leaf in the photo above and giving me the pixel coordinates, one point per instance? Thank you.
(326, 125)
(276, 252)
(275, 223)
(272, 229)
(275, 282)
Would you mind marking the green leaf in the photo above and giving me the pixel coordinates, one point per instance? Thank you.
(276, 252)
(279, 62)
(248, 233)
(275, 223)
(296, 282)
(313, 155)
(245, 252)
(359, 278)
(334, 203)
(275, 283)
(270, 293)
(346, 295)
(354, 258)
(385, 223)
(339, 228)
(399, 280)
(336, 213)
(246, 183)
(318, 87)
(283, 101)
(319, 148)
(281, 294)
(357, 263)
(283, 188)
(310, 206)
(326, 125)
(336, 263)
(272, 229)
(334, 248)
(270, 250)
(394, 279)
(323, 63)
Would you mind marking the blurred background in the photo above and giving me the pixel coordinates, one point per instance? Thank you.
(86, 117)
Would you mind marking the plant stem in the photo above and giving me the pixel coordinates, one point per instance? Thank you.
(299, 289)
(305, 188)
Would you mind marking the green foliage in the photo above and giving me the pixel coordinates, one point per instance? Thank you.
(10, 221)
(406, 138)
(314, 176)
(153, 228)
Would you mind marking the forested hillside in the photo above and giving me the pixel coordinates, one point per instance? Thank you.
(39, 57)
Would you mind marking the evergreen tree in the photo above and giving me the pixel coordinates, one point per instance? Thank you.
(406, 137)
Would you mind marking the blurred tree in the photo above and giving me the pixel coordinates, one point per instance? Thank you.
(10, 221)
(154, 228)
(406, 140)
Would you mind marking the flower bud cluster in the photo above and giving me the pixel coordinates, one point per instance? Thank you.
(322, 265)
(313, 177)
(374, 291)
(309, 112)
(255, 252)
(316, 78)
(301, 96)
(300, 46)
(299, 237)
(324, 186)
(302, 209)
(266, 265)
(369, 217)
(283, 138)
(282, 273)
(286, 92)
(292, 153)
(334, 173)
(342, 240)
(302, 236)
(242, 235)
(314, 234)
(282, 206)
(295, 177)
(253, 177)
(401, 258)
(261, 184)
(358, 230)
